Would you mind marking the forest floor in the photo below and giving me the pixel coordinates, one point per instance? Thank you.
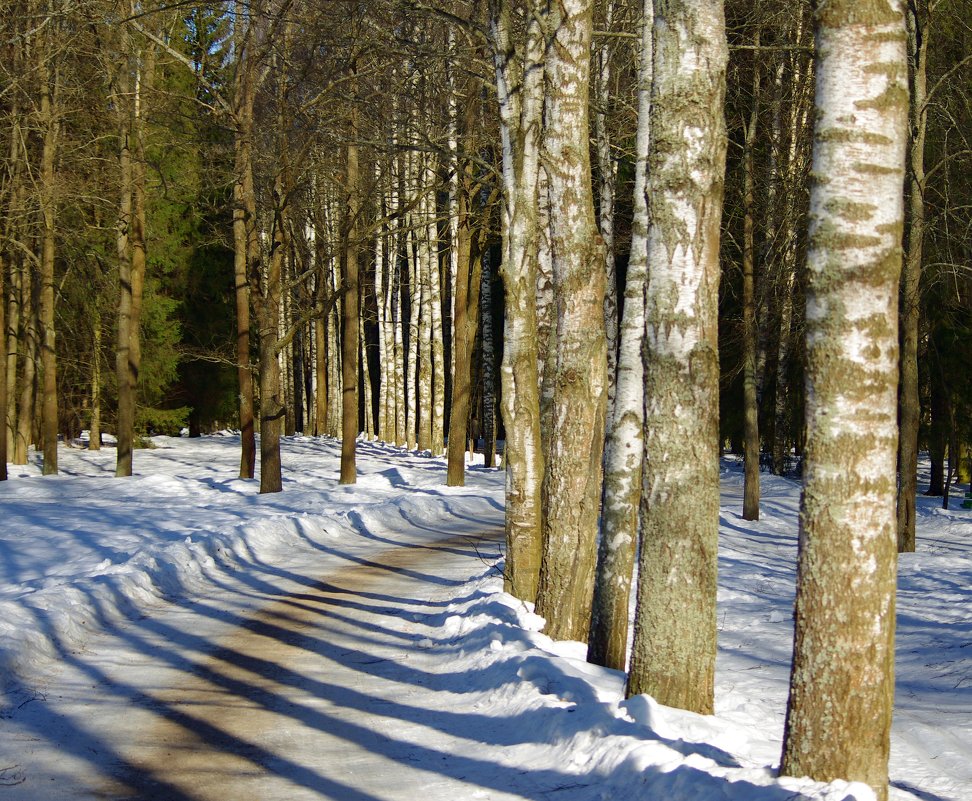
(178, 636)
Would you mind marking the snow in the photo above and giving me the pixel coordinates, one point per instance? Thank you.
(176, 635)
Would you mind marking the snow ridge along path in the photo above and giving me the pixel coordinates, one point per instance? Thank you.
(177, 636)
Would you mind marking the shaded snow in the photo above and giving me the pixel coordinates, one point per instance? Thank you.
(527, 717)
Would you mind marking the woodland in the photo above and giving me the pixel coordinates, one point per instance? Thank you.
(448, 225)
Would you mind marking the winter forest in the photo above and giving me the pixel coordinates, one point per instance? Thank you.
(600, 242)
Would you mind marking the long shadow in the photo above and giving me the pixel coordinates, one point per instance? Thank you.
(487, 729)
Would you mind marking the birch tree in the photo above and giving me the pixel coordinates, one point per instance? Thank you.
(673, 655)
(519, 81)
(573, 468)
(624, 443)
(842, 680)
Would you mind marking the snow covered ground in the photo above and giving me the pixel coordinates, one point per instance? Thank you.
(142, 619)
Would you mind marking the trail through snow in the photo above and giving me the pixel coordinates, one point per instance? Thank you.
(177, 636)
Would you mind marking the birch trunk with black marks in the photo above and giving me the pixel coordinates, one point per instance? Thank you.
(842, 680)
(573, 472)
(673, 655)
(519, 79)
(624, 443)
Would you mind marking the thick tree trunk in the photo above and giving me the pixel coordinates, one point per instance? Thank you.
(673, 656)
(842, 681)
(520, 89)
(573, 473)
(624, 444)
(909, 407)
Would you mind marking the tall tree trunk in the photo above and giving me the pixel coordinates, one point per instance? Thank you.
(749, 331)
(50, 124)
(624, 444)
(488, 359)
(673, 655)
(131, 251)
(573, 474)
(909, 407)
(25, 406)
(838, 719)
(349, 333)
(94, 430)
(520, 90)
(244, 233)
(607, 182)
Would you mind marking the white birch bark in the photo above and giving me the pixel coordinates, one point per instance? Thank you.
(519, 79)
(624, 443)
(673, 655)
(842, 679)
(573, 468)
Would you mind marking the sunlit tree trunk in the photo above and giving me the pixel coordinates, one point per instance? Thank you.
(842, 681)
(624, 443)
(673, 655)
(519, 78)
(488, 359)
(573, 474)
(350, 322)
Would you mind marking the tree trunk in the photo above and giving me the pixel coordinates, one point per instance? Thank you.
(488, 359)
(520, 90)
(624, 444)
(673, 656)
(244, 234)
(349, 333)
(841, 685)
(749, 331)
(49, 78)
(25, 407)
(909, 411)
(573, 474)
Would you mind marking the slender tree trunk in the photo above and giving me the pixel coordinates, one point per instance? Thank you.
(349, 357)
(49, 78)
(624, 444)
(909, 411)
(749, 332)
(244, 232)
(673, 655)
(607, 183)
(489, 360)
(12, 336)
(25, 408)
(842, 681)
(94, 430)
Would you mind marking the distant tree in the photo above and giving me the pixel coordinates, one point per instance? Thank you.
(673, 655)
(842, 681)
